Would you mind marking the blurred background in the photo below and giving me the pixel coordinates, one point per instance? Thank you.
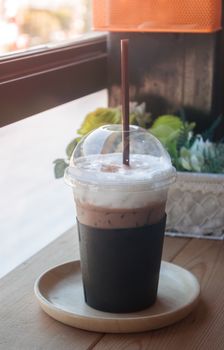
(35, 208)
(28, 23)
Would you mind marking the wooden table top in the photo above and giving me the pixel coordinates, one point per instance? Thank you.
(24, 326)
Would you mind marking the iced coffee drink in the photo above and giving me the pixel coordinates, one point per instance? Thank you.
(119, 205)
(120, 217)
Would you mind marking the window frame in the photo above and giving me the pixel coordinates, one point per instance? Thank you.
(37, 80)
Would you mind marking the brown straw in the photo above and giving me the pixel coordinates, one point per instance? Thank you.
(125, 100)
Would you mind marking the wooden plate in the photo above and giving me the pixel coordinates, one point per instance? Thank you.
(60, 294)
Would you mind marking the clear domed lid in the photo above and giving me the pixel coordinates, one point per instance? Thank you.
(98, 158)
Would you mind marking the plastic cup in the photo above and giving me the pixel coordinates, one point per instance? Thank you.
(120, 216)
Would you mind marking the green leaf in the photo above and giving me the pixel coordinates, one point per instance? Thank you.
(197, 163)
(71, 146)
(209, 133)
(214, 159)
(138, 115)
(143, 120)
(185, 137)
(167, 129)
(164, 133)
(185, 153)
(59, 168)
(172, 150)
(171, 121)
(174, 135)
(186, 164)
(99, 117)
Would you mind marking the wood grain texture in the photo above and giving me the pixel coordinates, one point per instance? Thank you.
(203, 329)
(24, 326)
(172, 247)
(178, 295)
(170, 71)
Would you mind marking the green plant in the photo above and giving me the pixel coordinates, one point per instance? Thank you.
(97, 118)
(188, 151)
(202, 156)
(173, 133)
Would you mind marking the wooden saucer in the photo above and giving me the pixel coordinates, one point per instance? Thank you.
(59, 291)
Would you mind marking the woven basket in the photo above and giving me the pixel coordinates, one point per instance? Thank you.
(195, 205)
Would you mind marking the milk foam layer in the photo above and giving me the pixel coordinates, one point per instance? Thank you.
(103, 181)
(108, 168)
(118, 199)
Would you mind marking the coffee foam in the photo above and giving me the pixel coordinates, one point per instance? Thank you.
(143, 169)
(115, 199)
(103, 181)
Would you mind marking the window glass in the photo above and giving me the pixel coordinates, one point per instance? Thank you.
(30, 23)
